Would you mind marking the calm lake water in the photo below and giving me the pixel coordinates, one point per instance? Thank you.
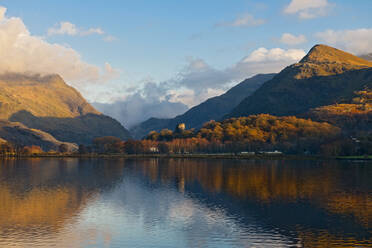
(184, 203)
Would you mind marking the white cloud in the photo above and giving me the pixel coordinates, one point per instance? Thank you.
(264, 55)
(357, 41)
(2, 13)
(307, 9)
(151, 100)
(290, 39)
(110, 72)
(109, 38)
(63, 28)
(246, 20)
(92, 31)
(68, 28)
(24, 53)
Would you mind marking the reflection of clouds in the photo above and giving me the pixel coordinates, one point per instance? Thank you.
(41, 201)
(182, 211)
(135, 214)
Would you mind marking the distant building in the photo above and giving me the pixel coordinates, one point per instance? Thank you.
(180, 128)
(154, 149)
(276, 152)
(247, 153)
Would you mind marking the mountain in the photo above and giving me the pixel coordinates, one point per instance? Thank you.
(47, 103)
(212, 109)
(367, 56)
(324, 76)
(17, 133)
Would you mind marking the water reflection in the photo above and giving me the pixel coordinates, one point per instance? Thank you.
(184, 203)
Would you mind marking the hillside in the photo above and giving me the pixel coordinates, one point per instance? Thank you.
(19, 134)
(355, 118)
(49, 104)
(212, 109)
(323, 77)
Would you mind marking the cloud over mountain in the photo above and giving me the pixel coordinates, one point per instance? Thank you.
(151, 100)
(356, 41)
(292, 40)
(26, 53)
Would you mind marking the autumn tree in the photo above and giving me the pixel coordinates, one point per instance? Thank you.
(163, 148)
(83, 149)
(133, 147)
(32, 150)
(108, 144)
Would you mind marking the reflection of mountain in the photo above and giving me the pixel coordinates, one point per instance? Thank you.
(317, 202)
(44, 194)
(42, 208)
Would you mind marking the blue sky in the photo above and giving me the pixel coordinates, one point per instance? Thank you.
(164, 42)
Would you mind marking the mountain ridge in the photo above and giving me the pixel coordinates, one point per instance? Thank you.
(49, 97)
(310, 83)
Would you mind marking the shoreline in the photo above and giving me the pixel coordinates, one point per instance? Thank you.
(198, 156)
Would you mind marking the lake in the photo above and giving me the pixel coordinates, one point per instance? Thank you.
(185, 203)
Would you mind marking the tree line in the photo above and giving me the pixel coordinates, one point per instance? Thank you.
(256, 133)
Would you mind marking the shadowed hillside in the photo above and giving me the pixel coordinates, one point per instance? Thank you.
(324, 76)
(81, 129)
(18, 133)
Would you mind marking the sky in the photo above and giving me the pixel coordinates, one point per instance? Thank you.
(139, 59)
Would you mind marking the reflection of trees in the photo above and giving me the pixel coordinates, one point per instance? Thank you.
(39, 208)
(43, 193)
(323, 190)
(324, 239)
